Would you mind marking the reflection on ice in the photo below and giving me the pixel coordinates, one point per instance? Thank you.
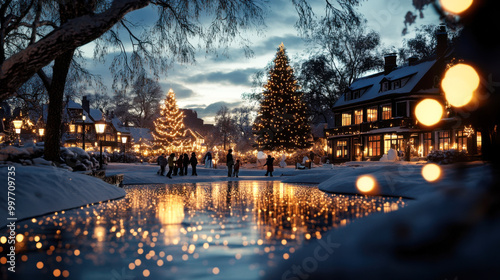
(228, 229)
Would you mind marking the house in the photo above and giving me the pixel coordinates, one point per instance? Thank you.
(377, 113)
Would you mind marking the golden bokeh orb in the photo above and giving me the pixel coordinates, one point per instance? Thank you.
(431, 172)
(456, 6)
(365, 183)
(429, 112)
(459, 83)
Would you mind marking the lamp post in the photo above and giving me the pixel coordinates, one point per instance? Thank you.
(83, 131)
(18, 123)
(124, 142)
(100, 127)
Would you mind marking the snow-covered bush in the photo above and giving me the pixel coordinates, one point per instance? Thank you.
(446, 157)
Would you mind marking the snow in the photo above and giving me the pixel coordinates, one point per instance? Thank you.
(45, 189)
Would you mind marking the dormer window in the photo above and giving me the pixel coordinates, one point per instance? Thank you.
(396, 84)
(385, 86)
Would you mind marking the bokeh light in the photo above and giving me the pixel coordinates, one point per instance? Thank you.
(456, 6)
(365, 183)
(429, 112)
(431, 172)
(459, 84)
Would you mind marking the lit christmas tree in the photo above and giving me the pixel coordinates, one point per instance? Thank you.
(281, 123)
(170, 134)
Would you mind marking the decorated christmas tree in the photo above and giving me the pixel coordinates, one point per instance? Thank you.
(281, 122)
(169, 134)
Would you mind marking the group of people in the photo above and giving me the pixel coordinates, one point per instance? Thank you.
(177, 165)
(233, 168)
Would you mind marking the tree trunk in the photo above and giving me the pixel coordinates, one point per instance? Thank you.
(55, 110)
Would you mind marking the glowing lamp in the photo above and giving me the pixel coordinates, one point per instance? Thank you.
(41, 131)
(429, 112)
(100, 126)
(456, 6)
(124, 139)
(431, 172)
(365, 183)
(17, 125)
(459, 84)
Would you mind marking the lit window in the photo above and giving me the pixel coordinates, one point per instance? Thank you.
(444, 140)
(386, 112)
(358, 116)
(346, 119)
(479, 141)
(371, 114)
(374, 146)
(342, 151)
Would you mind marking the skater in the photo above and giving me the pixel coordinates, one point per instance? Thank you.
(162, 161)
(229, 163)
(236, 168)
(269, 163)
(171, 164)
(193, 162)
(185, 163)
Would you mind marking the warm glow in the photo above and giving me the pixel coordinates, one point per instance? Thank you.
(41, 131)
(17, 124)
(365, 183)
(456, 6)
(100, 127)
(429, 112)
(459, 84)
(431, 172)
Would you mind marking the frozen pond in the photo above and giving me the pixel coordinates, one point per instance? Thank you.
(223, 230)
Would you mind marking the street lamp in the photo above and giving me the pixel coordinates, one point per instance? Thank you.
(17, 126)
(100, 126)
(124, 142)
(83, 131)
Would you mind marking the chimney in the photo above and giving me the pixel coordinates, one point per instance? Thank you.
(412, 60)
(390, 62)
(442, 40)
(85, 104)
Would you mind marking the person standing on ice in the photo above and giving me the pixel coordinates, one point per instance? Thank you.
(269, 163)
(162, 161)
(171, 163)
(193, 162)
(208, 160)
(236, 168)
(180, 161)
(229, 163)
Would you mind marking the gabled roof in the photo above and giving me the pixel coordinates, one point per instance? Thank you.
(372, 83)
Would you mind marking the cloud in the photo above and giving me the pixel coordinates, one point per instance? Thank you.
(208, 112)
(236, 77)
(181, 91)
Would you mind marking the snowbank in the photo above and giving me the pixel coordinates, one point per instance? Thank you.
(45, 189)
(400, 179)
(451, 234)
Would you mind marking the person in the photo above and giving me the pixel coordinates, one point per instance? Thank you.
(185, 164)
(269, 163)
(208, 160)
(193, 162)
(180, 161)
(229, 163)
(162, 161)
(237, 168)
(171, 164)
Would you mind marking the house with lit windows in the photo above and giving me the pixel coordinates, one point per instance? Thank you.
(378, 112)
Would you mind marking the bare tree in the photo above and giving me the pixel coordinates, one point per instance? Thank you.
(225, 125)
(146, 97)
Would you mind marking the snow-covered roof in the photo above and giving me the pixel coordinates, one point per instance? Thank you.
(372, 83)
(95, 114)
(73, 105)
(138, 133)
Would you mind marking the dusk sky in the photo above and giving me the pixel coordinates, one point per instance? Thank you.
(215, 81)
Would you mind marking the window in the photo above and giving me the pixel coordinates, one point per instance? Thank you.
(444, 140)
(346, 119)
(393, 140)
(385, 86)
(479, 141)
(342, 151)
(355, 94)
(396, 84)
(427, 143)
(386, 112)
(372, 114)
(348, 96)
(358, 116)
(461, 141)
(401, 109)
(374, 146)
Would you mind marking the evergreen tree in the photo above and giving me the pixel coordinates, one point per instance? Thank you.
(281, 122)
(170, 134)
